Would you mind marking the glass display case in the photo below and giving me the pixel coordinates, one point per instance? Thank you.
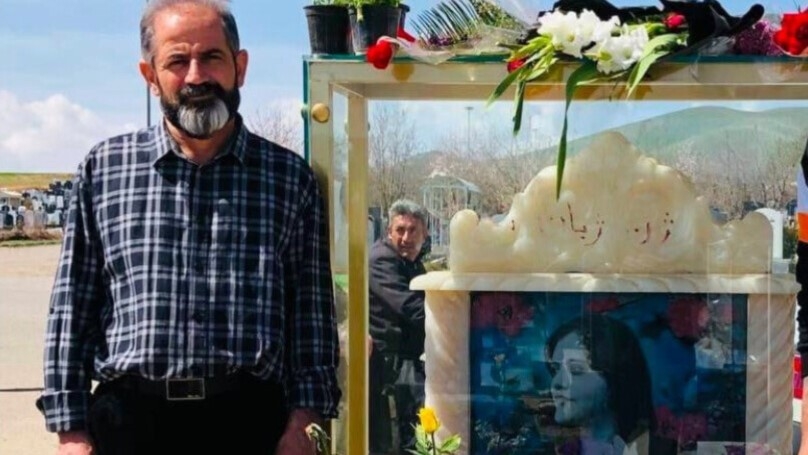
(632, 244)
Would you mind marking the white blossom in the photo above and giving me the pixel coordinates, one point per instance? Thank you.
(618, 53)
(592, 29)
(571, 33)
(562, 28)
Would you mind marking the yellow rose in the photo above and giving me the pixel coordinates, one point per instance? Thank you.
(429, 421)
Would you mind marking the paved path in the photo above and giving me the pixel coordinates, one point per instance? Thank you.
(26, 275)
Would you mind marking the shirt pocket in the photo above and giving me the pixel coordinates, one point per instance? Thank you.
(124, 245)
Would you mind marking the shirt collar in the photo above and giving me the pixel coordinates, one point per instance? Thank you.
(236, 144)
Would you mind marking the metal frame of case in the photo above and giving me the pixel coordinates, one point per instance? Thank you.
(474, 78)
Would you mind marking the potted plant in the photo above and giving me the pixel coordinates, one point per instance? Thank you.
(372, 19)
(329, 27)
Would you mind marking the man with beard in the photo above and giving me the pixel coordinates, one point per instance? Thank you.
(194, 281)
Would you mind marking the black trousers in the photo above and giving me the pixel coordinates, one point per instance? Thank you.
(249, 420)
(402, 382)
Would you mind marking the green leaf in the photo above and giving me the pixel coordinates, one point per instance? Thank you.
(531, 47)
(454, 19)
(450, 445)
(504, 84)
(639, 70)
(659, 42)
(584, 74)
(541, 68)
(651, 53)
(519, 99)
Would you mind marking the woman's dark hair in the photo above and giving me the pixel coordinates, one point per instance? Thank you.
(615, 353)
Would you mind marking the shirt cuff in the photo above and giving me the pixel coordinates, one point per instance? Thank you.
(65, 411)
(315, 389)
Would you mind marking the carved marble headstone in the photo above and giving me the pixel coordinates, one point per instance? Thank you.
(618, 212)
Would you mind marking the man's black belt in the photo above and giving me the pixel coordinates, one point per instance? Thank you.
(185, 389)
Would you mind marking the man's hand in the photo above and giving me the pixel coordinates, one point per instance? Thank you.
(74, 443)
(294, 440)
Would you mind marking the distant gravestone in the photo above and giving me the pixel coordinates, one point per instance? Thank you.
(30, 219)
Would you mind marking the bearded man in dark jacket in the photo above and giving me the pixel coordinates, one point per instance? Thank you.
(397, 328)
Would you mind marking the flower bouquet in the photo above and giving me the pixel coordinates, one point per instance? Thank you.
(612, 44)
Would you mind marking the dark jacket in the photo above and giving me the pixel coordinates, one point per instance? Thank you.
(396, 312)
(802, 275)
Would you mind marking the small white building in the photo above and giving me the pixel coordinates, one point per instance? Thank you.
(443, 196)
(10, 198)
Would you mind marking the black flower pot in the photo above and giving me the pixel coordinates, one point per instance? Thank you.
(329, 29)
(376, 21)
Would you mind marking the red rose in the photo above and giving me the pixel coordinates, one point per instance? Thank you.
(380, 54)
(674, 21)
(514, 65)
(688, 317)
(793, 34)
(505, 311)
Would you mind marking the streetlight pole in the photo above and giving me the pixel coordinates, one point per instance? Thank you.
(468, 128)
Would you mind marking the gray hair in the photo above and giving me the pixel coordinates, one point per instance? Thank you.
(407, 207)
(153, 7)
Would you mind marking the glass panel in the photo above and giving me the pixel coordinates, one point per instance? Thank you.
(340, 234)
(739, 156)
(733, 157)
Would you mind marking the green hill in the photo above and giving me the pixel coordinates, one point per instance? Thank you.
(22, 181)
(704, 130)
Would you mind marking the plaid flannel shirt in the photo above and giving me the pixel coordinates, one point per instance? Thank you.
(169, 269)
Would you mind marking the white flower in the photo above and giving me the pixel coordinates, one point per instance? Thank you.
(571, 33)
(562, 28)
(618, 53)
(592, 29)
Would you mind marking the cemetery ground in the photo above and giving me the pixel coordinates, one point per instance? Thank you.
(26, 276)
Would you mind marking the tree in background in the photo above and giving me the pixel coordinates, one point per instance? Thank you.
(729, 169)
(736, 179)
(499, 164)
(279, 122)
(393, 143)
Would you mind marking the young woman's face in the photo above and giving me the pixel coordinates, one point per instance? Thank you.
(580, 394)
